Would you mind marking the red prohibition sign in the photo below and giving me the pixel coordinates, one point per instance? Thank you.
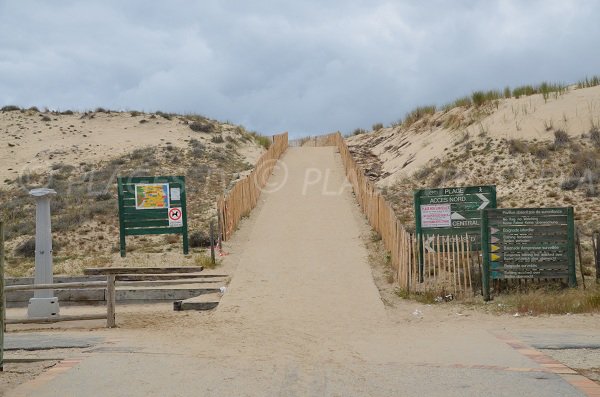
(175, 214)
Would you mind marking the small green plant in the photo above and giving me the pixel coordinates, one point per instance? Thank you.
(377, 126)
(167, 116)
(375, 237)
(359, 131)
(595, 136)
(217, 139)
(417, 114)
(517, 146)
(570, 183)
(262, 140)
(135, 113)
(205, 261)
(561, 138)
(507, 92)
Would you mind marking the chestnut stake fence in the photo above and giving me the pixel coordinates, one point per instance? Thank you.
(243, 196)
(448, 266)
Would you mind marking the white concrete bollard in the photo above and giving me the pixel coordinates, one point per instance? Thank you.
(43, 303)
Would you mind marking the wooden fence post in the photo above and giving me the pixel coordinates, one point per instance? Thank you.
(580, 257)
(110, 301)
(2, 298)
(596, 245)
(212, 242)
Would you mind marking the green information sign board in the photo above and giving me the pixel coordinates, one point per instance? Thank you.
(528, 243)
(152, 205)
(451, 211)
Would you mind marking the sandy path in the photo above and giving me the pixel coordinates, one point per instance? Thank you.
(303, 317)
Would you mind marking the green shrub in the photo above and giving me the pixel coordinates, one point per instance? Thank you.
(198, 126)
(10, 108)
(359, 131)
(595, 136)
(164, 115)
(570, 183)
(561, 138)
(199, 239)
(377, 126)
(481, 98)
(26, 248)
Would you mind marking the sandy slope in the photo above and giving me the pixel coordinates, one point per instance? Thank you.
(405, 151)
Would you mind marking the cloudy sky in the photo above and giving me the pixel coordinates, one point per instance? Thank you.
(307, 66)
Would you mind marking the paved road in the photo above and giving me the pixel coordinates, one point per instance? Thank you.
(303, 317)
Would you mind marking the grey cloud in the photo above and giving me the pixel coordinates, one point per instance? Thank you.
(307, 67)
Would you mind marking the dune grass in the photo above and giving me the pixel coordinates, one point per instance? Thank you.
(544, 301)
(417, 114)
(589, 82)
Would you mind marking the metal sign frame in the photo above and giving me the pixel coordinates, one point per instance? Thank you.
(526, 243)
(147, 220)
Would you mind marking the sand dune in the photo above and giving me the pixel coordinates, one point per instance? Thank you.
(33, 141)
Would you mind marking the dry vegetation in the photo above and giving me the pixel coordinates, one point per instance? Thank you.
(84, 212)
(540, 145)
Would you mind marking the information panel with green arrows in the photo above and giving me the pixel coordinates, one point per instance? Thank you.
(452, 211)
(528, 243)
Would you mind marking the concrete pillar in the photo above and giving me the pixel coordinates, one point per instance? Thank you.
(43, 303)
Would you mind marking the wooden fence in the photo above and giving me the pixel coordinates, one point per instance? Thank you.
(134, 276)
(243, 196)
(449, 268)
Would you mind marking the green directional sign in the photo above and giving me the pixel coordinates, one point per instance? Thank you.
(528, 243)
(152, 205)
(451, 211)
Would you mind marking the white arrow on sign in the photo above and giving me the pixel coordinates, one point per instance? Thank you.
(427, 244)
(457, 217)
(493, 230)
(484, 200)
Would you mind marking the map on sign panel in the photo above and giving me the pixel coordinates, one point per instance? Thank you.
(151, 196)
